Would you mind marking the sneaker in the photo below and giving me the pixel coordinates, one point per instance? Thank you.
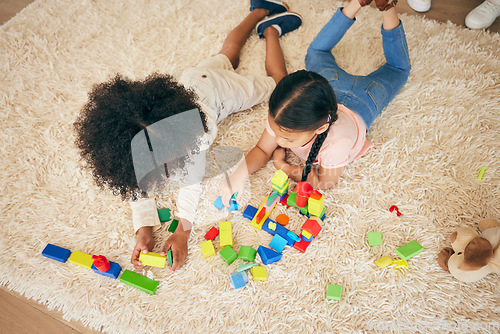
(285, 21)
(273, 6)
(483, 15)
(420, 5)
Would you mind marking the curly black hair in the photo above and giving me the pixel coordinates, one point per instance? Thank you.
(115, 112)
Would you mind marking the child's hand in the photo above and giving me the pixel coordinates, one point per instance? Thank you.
(145, 243)
(177, 243)
(237, 184)
(279, 158)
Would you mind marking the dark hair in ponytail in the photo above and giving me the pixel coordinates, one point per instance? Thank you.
(304, 101)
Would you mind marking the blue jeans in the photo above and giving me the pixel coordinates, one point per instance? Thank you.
(365, 95)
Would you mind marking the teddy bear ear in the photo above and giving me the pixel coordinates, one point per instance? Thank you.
(453, 237)
(477, 254)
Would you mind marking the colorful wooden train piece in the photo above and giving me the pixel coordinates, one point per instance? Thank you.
(100, 265)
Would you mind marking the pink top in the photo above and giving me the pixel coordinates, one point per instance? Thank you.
(346, 141)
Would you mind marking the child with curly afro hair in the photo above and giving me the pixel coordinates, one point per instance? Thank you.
(121, 110)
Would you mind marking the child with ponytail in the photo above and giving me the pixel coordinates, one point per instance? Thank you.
(322, 114)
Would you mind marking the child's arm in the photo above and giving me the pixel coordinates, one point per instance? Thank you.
(255, 159)
(319, 178)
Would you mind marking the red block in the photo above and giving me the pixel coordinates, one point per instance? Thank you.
(301, 200)
(260, 215)
(303, 188)
(312, 226)
(101, 263)
(301, 246)
(283, 201)
(212, 233)
(315, 195)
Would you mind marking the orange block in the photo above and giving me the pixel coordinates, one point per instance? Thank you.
(282, 219)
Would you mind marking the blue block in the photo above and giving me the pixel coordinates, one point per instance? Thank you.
(266, 228)
(239, 279)
(293, 236)
(283, 232)
(56, 253)
(309, 239)
(250, 212)
(268, 255)
(218, 203)
(283, 196)
(278, 243)
(234, 206)
(113, 272)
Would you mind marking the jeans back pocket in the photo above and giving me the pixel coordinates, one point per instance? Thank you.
(377, 93)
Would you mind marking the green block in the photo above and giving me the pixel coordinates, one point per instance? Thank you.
(334, 292)
(173, 226)
(374, 238)
(247, 253)
(290, 201)
(228, 254)
(409, 250)
(138, 281)
(245, 266)
(170, 259)
(304, 210)
(164, 215)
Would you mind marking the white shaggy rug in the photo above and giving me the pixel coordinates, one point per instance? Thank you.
(430, 144)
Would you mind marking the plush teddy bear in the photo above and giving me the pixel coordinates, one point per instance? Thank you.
(473, 255)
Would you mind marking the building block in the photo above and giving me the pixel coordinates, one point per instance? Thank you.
(400, 264)
(207, 248)
(239, 279)
(278, 243)
(81, 259)
(246, 266)
(293, 236)
(374, 238)
(316, 203)
(225, 234)
(306, 235)
(100, 263)
(250, 212)
(56, 253)
(247, 253)
(312, 226)
(301, 246)
(272, 198)
(307, 239)
(259, 273)
(301, 200)
(113, 271)
(138, 281)
(259, 220)
(153, 259)
(280, 178)
(283, 231)
(228, 254)
(170, 258)
(218, 203)
(282, 219)
(334, 292)
(164, 215)
(212, 233)
(393, 207)
(233, 206)
(260, 215)
(173, 226)
(290, 201)
(303, 188)
(409, 250)
(284, 201)
(271, 225)
(481, 173)
(383, 262)
(268, 255)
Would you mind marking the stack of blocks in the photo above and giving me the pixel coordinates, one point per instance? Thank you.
(87, 261)
(280, 183)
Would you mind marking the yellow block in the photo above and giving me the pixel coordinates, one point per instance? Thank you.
(81, 259)
(207, 248)
(225, 234)
(383, 262)
(272, 226)
(259, 273)
(306, 234)
(400, 264)
(153, 259)
(279, 178)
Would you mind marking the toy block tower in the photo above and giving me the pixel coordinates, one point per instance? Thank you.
(316, 203)
(280, 183)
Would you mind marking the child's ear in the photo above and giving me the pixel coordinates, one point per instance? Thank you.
(322, 129)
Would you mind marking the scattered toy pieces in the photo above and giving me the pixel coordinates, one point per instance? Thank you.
(334, 292)
(374, 238)
(392, 208)
(247, 253)
(239, 279)
(481, 173)
(259, 273)
(207, 248)
(228, 254)
(383, 262)
(212, 233)
(56, 253)
(81, 259)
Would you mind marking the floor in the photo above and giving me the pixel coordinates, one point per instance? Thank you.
(21, 315)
